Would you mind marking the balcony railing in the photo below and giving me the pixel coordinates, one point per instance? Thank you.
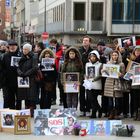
(79, 25)
(97, 25)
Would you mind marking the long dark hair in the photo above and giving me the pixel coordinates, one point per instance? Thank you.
(77, 58)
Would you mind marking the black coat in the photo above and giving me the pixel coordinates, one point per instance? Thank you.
(1, 70)
(10, 72)
(84, 54)
(28, 67)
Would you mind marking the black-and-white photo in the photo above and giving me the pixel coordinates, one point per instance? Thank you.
(91, 72)
(15, 61)
(23, 82)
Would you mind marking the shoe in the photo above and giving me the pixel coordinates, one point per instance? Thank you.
(111, 117)
(82, 114)
(92, 116)
(88, 114)
(99, 113)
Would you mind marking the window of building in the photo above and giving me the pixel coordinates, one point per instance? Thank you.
(126, 11)
(79, 11)
(97, 11)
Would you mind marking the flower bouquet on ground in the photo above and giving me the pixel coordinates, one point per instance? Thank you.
(125, 130)
(76, 129)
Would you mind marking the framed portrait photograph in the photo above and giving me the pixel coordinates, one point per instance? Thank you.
(47, 64)
(111, 70)
(23, 82)
(127, 41)
(71, 82)
(71, 77)
(90, 72)
(7, 119)
(22, 125)
(15, 61)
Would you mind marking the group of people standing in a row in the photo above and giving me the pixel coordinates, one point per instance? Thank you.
(68, 60)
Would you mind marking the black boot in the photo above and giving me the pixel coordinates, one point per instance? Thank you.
(93, 115)
(100, 113)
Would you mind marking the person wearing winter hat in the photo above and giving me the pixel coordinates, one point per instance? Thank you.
(10, 77)
(95, 80)
(50, 76)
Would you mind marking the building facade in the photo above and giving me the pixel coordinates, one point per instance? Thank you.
(2, 20)
(69, 20)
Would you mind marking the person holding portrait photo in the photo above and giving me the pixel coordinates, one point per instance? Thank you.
(95, 80)
(113, 87)
(72, 63)
(28, 66)
(49, 82)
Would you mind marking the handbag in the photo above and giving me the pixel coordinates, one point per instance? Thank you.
(122, 85)
(39, 76)
(117, 85)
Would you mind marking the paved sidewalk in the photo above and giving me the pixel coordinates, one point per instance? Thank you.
(9, 136)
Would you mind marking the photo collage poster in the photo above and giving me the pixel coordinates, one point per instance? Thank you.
(100, 127)
(111, 70)
(54, 121)
(48, 64)
(71, 82)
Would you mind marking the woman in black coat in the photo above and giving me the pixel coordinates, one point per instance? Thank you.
(27, 68)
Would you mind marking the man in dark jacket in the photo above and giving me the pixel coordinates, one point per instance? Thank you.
(3, 48)
(10, 74)
(84, 51)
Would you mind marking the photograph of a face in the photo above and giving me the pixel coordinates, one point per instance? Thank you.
(127, 41)
(23, 82)
(15, 61)
(48, 64)
(91, 72)
(71, 77)
(7, 119)
(22, 124)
